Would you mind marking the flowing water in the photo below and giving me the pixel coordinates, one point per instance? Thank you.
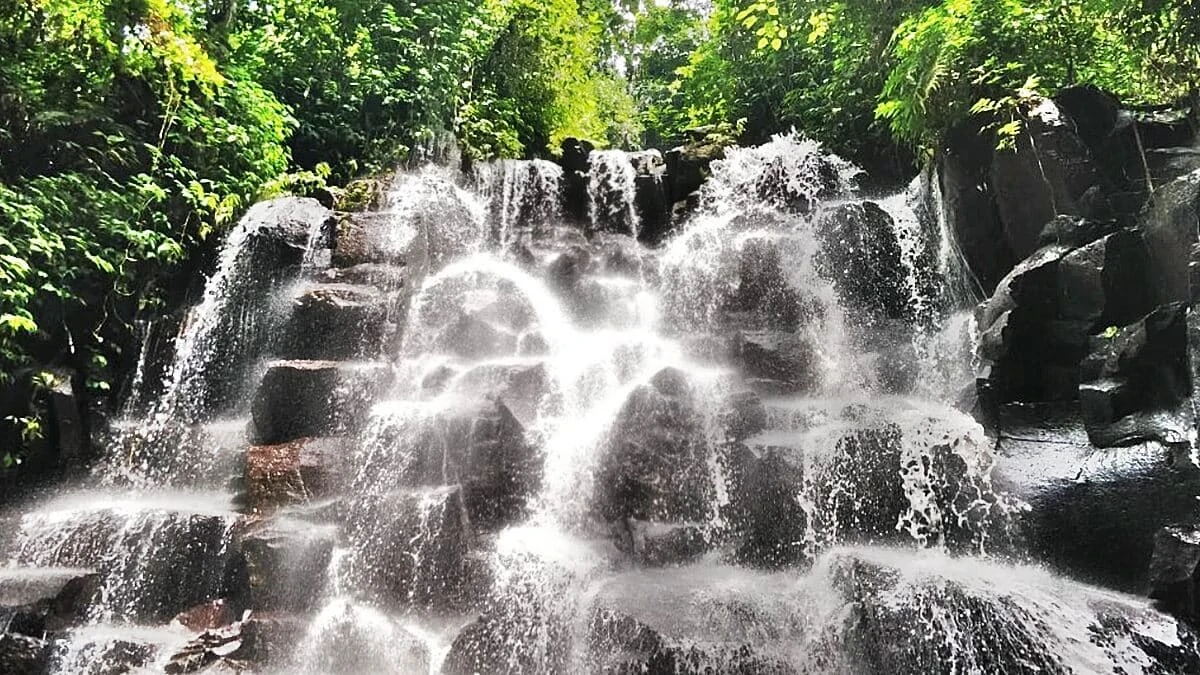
(567, 452)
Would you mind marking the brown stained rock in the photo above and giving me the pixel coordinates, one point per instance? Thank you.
(295, 471)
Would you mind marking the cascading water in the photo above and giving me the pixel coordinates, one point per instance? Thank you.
(484, 441)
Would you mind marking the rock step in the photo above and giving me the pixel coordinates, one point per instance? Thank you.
(341, 321)
(307, 398)
(298, 471)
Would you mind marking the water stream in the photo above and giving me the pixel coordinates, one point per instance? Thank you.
(560, 451)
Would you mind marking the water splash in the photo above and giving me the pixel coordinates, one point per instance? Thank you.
(612, 193)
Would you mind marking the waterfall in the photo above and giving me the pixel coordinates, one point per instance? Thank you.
(461, 434)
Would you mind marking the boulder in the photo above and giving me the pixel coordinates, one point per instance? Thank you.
(1135, 383)
(287, 564)
(743, 416)
(205, 616)
(473, 337)
(522, 388)
(283, 229)
(296, 471)
(777, 362)
(660, 544)
(793, 496)
(1028, 352)
(350, 638)
(688, 164)
(23, 655)
(244, 645)
(576, 163)
(860, 254)
(1105, 282)
(298, 399)
(476, 444)
(654, 465)
(378, 275)
(411, 546)
(984, 617)
(339, 321)
(1169, 227)
(1174, 571)
(378, 237)
(764, 297)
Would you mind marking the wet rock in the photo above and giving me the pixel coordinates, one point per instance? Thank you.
(1074, 232)
(473, 337)
(298, 399)
(998, 619)
(660, 544)
(688, 164)
(744, 416)
(997, 201)
(860, 254)
(793, 494)
(522, 388)
(486, 647)
(787, 359)
(654, 465)
(1105, 282)
(1029, 353)
(1134, 381)
(212, 614)
(1174, 571)
(243, 646)
(377, 237)
(350, 638)
(283, 229)
(297, 471)
(576, 163)
(23, 655)
(339, 321)
(1169, 227)
(412, 546)
(569, 267)
(652, 199)
(763, 295)
(378, 275)
(287, 563)
(482, 447)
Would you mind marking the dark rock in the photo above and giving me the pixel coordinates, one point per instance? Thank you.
(1104, 282)
(1174, 571)
(237, 647)
(378, 275)
(860, 254)
(1169, 225)
(569, 267)
(1029, 353)
(1135, 384)
(660, 544)
(654, 465)
(1044, 176)
(412, 546)
(784, 358)
(286, 564)
(521, 388)
(296, 471)
(282, 229)
(763, 293)
(688, 165)
(472, 337)
(983, 617)
(339, 321)
(478, 445)
(212, 614)
(576, 163)
(1092, 512)
(23, 655)
(744, 416)
(365, 238)
(298, 399)
(1073, 232)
